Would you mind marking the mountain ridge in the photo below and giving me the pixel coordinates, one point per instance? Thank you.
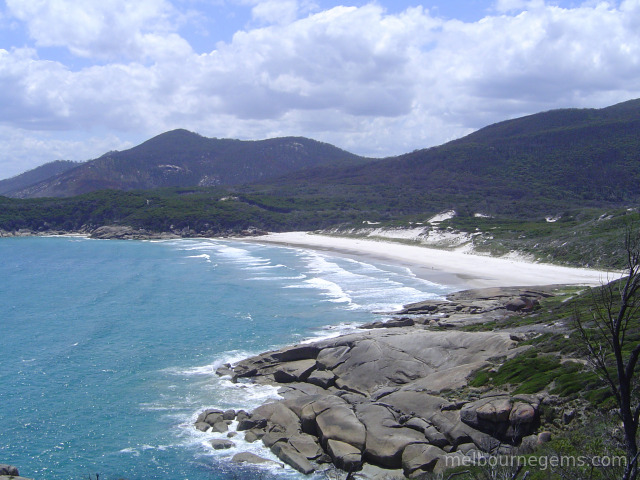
(584, 154)
(556, 158)
(35, 175)
(180, 158)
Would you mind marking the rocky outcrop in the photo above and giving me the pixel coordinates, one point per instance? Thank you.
(9, 472)
(503, 417)
(125, 232)
(252, 458)
(477, 306)
(377, 397)
(363, 363)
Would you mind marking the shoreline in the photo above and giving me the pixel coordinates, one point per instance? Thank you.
(455, 268)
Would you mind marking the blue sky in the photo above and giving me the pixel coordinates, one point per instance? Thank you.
(380, 78)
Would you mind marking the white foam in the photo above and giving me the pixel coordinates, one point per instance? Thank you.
(332, 331)
(331, 289)
(206, 256)
(364, 286)
(131, 451)
(302, 276)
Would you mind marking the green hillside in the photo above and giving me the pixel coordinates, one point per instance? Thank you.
(531, 166)
(182, 159)
(36, 175)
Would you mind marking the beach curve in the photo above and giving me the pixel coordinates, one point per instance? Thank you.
(446, 266)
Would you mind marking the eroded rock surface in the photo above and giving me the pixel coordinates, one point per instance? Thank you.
(375, 397)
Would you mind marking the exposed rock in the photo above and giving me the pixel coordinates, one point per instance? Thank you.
(522, 414)
(248, 457)
(385, 439)
(322, 378)
(394, 322)
(374, 395)
(273, 437)
(344, 456)
(294, 371)
(220, 427)
(292, 457)
(501, 417)
(372, 472)
(307, 445)
(250, 422)
(222, 444)
(340, 423)
(528, 444)
(126, 233)
(285, 418)
(435, 438)
(9, 470)
(202, 426)
(210, 416)
(330, 357)
(495, 410)
(420, 456)
(486, 304)
(466, 448)
(544, 437)
(310, 412)
(296, 352)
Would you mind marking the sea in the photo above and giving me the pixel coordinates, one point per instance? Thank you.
(108, 348)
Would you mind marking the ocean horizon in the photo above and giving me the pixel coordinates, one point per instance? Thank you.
(110, 347)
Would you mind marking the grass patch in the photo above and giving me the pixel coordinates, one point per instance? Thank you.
(533, 372)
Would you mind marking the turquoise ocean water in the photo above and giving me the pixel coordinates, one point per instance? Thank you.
(108, 348)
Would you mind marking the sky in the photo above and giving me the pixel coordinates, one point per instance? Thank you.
(377, 78)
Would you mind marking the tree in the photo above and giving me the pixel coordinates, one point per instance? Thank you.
(612, 337)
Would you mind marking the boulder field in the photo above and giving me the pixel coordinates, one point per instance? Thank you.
(382, 398)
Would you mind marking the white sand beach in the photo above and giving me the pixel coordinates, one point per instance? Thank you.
(444, 266)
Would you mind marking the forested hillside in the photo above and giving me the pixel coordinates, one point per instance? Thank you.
(181, 158)
(38, 174)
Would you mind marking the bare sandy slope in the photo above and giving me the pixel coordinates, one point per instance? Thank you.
(452, 267)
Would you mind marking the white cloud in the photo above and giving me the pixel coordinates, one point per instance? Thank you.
(275, 11)
(505, 6)
(21, 150)
(102, 29)
(363, 79)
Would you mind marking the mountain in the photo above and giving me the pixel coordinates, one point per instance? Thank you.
(534, 164)
(561, 185)
(38, 174)
(180, 158)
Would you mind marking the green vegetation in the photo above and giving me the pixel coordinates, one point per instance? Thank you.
(555, 361)
(578, 168)
(532, 373)
(180, 158)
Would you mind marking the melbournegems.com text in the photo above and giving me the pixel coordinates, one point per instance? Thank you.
(540, 462)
